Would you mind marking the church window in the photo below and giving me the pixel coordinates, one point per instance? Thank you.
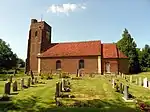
(58, 64)
(81, 64)
(36, 33)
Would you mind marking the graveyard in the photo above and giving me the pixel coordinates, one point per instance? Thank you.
(88, 93)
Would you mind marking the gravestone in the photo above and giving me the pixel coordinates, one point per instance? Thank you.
(126, 93)
(32, 81)
(15, 87)
(57, 94)
(32, 76)
(122, 75)
(7, 88)
(10, 79)
(145, 83)
(131, 77)
(113, 83)
(121, 88)
(35, 80)
(62, 86)
(22, 83)
(140, 81)
(116, 88)
(29, 82)
(136, 81)
(149, 84)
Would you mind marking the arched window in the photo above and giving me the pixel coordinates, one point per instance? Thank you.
(107, 67)
(58, 64)
(81, 64)
(36, 33)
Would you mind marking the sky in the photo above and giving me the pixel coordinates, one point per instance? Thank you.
(75, 20)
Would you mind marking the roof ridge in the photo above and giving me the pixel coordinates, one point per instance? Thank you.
(79, 41)
(108, 43)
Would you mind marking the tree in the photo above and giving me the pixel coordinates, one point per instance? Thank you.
(20, 62)
(128, 46)
(144, 58)
(7, 58)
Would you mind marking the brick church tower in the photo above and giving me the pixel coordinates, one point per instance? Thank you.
(39, 40)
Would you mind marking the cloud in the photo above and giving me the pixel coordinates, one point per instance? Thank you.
(65, 8)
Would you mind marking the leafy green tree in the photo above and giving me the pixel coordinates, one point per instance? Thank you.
(128, 46)
(144, 58)
(7, 58)
(21, 62)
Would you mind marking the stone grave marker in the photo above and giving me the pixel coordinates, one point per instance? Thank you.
(15, 87)
(140, 81)
(32, 81)
(121, 88)
(122, 75)
(22, 83)
(113, 83)
(7, 88)
(145, 83)
(62, 86)
(126, 93)
(32, 76)
(149, 84)
(131, 77)
(57, 94)
(136, 81)
(29, 82)
(116, 88)
(35, 80)
(10, 79)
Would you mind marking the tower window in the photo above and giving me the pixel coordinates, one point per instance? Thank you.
(81, 64)
(36, 33)
(58, 64)
(48, 35)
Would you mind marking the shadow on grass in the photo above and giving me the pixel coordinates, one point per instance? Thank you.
(35, 104)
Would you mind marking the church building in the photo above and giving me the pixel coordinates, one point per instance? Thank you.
(87, 56)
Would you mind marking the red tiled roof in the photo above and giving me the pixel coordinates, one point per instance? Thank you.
(110, 50)
(87, 48)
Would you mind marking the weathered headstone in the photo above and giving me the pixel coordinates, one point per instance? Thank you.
(136, 81)
(62, 86)
(15, 87)
(121, 88)
(145, 83)
(149, 84)
(32, 81)
(7, 88)
(131, 79)
(116, 88)
(29, 82)
(35, 80)
(57, 94)
(22, 83)
(10, 79)
(140, 81)
(126, 93)
(113, 83)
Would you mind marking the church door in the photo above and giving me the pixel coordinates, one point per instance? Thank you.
(107, 67)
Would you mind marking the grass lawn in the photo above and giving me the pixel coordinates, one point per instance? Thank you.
(91, 94)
